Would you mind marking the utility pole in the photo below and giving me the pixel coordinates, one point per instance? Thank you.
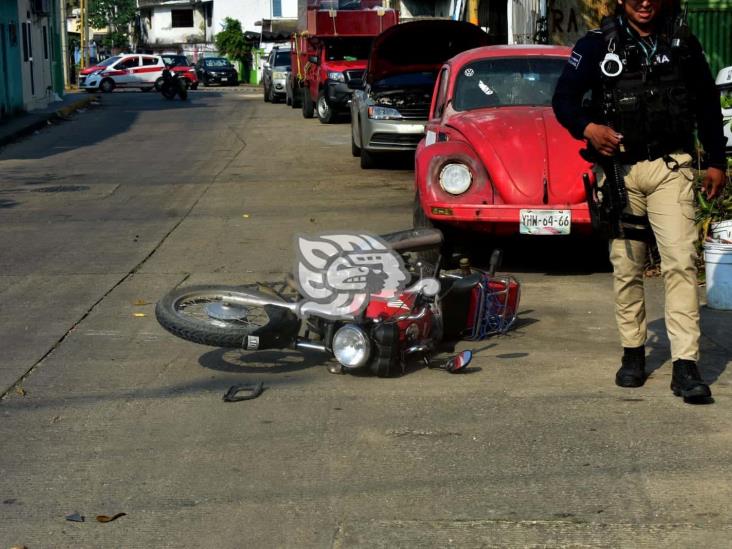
(64, 44)
(473, 11)
(84, 45)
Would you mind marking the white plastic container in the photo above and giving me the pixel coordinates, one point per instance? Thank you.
(718, 260)
(722, 230)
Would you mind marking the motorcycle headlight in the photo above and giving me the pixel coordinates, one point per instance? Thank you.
(455, 178)
(337, 76)
(384, 113)
(351, 346)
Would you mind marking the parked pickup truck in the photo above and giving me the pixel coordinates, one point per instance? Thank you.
(332, 51)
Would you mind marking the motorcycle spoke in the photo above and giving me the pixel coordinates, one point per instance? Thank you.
(196, 307)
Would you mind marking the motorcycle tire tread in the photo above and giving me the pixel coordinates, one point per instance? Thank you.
(279, 332)
(386, 361)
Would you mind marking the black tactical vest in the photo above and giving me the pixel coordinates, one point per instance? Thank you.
(649, 102)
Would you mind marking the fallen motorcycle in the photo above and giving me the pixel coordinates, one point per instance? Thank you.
(384, 335)
(173, 85)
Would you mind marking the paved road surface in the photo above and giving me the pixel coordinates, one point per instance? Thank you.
(104, 412)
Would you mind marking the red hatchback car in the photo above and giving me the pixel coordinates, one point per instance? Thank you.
(180, 65)
(494, 158)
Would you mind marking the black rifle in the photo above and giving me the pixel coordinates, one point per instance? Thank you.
(608, 201)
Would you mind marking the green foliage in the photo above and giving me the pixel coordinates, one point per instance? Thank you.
(711, 211)
(232, 42)
(726, 100)
(116, 16)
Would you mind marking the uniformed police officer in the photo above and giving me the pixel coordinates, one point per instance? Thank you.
(648, 79)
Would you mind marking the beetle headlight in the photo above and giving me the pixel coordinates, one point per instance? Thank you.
(455, 178)
(351, 346)
(337, 76)
(384, 113)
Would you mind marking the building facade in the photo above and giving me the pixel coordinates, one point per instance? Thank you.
(31, 64)
(11, 83)
(171, 24)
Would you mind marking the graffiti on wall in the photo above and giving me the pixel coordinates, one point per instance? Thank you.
(569, 20)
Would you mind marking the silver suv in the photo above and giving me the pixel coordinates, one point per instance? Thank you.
(275, 72)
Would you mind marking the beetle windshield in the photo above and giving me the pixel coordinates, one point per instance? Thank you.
(508, 81)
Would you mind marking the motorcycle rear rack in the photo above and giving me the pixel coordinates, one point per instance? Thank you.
(496, 306)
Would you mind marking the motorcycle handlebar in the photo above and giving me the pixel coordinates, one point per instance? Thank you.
(413, 240)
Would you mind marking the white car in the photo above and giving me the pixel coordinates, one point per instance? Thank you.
(129, 71)
(724, 83)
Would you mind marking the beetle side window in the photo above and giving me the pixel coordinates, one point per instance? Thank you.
(441, 94)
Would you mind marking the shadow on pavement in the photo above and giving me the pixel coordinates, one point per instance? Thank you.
(122, 110)
(554, 256)
(713, 361)
(271, 362)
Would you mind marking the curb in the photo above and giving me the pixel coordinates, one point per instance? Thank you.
(42, 121)
(64, 112)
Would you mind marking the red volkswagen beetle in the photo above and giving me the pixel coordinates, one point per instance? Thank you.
(494, 157)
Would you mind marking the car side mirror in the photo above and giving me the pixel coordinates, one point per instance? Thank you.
(266, 65)
(314, 59)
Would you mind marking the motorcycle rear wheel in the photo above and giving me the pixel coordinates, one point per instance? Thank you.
(203, 315)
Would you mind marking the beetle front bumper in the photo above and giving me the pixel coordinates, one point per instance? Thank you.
(503, 219)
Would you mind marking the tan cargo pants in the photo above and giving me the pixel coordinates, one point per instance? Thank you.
(667, 197)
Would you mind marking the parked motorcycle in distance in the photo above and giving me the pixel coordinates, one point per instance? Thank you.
(386, 334)
(173, 85)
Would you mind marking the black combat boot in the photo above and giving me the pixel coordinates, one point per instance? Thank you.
(632, 372)
(686, 381)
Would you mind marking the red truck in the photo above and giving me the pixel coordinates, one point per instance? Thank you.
(331, 50)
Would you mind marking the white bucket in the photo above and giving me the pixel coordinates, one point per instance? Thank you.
(718, 260)
(722, 230)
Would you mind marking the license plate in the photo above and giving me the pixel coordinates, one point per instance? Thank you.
(545, 221)
(224, 78)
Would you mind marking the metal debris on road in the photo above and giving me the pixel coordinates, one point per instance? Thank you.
(254, 390)
(107, 518)
(75, 517)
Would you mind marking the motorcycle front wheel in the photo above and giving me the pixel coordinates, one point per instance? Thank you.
(168, 90)
(227, 316)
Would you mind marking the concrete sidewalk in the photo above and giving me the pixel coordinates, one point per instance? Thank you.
(29, 122)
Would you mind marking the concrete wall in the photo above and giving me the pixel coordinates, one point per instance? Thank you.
(11, 81)
(249, 12)
(569, 20)
(39, 69)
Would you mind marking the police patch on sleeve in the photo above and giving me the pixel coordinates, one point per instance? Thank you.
(575, 59)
